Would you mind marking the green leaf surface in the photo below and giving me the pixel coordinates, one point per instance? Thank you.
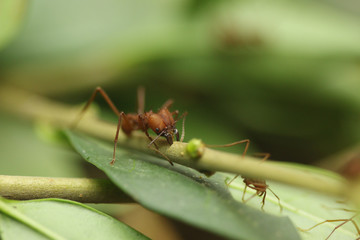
(23, 153)
(305, 208)
(183, 193)
(11, 15)
(59, 219)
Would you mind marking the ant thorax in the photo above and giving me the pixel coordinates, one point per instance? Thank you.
(130, 124)
(167, 117)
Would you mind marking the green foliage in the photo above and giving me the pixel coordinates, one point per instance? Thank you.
(23, 152)
(58, 219)
(284, 74)
(11, 16)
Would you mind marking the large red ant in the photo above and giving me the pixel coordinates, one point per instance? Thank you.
(162, 123)
(257, 184)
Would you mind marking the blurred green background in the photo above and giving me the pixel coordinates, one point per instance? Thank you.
(285, 74)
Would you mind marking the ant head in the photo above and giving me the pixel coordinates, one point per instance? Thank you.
(164, 127)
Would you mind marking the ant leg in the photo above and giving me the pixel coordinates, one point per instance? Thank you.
(121, 116)
(252, 196)
(156, 149)
(265, 155)
(151, 139)
(338, 226)
(281, 208)
(244, 192)
(107, 99)
(168, 159)
(168, 103)
(355, 225)
(176, 113)
(247, 141)
(141, 99)
(345, 221)
(263, 201)
(344, 209)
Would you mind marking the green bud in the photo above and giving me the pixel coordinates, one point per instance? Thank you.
(195, 148)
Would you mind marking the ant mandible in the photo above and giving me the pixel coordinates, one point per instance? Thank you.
(162, 123)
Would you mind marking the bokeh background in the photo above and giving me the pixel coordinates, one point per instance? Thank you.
(285, 74)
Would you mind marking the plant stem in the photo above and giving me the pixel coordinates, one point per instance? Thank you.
(77, 189)
(39, 108)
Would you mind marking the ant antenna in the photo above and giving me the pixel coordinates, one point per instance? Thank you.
(156, 138)
(157, 150)
(183, 130)
(183, 125)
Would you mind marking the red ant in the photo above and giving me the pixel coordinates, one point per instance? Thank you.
(162, 122)
(260, 186)
(351, 219)
(257, 184)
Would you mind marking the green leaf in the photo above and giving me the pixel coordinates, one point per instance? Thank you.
(59, 219)
(36, 158)
(305, 208)
(183, 193)
(11, 14)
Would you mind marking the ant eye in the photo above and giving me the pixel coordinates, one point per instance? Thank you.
(157, 129)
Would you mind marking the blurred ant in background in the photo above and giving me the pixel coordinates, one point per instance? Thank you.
(162, 123)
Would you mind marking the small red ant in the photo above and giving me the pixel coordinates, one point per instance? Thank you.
(162, 123)
(351, 219)
(260, 186)
(257, 184)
